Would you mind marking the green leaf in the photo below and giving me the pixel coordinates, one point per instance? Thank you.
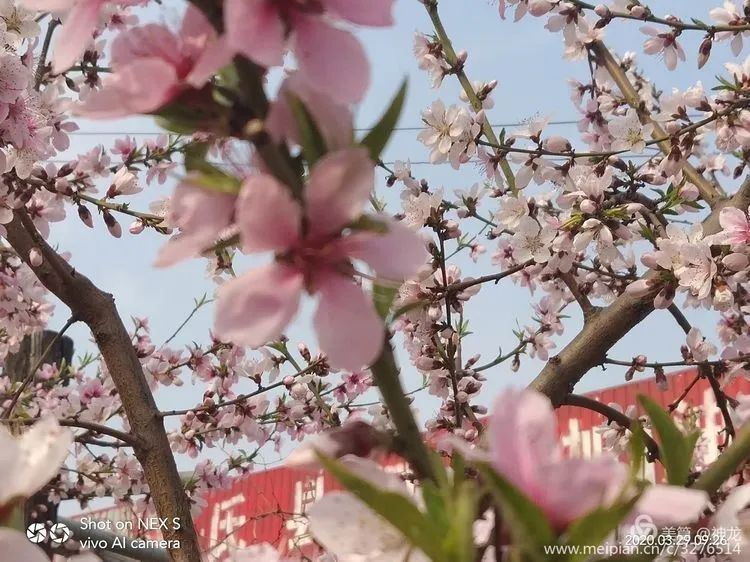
(379, 135)
(594, 527)
(313, 144)
(527, 523)
(395, 508)
(207, 175)
(676, 448)
(459, 540)
(637, 449)
(383, 296)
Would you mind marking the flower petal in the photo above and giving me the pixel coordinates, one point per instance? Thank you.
(349, 529)
(363, 12)
(331, 60)
(396, 254)
(15, 546)
(254, 308)
(267, 216)
(524, 438)
(255, 30)
(672, 505)
(77, 32)
(349, 329)
(142, 86)
(201, 214)
(339, 187)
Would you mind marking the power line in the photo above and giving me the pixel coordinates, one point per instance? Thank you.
(357, 129)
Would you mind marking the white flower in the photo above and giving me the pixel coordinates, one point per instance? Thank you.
(351, 531)
(615, 437)
(512, 210)
(532, 241)
(124, 182)
(699, 347)
(733, 514)
(445, 126)
(417, 208)
(30, 461)
(629, 133)
(729, 15)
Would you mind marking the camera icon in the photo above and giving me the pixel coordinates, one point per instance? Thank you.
(57, 533)
(36, 533)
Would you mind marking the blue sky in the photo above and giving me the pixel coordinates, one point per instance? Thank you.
(526, 60)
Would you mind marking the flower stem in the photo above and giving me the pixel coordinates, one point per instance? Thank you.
(386, 376)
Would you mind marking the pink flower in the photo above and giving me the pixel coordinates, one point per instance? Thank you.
(81, 21)
(736, 226)
(254, 308)
(525, 450)
(329, 59)
(153, 65)
(664, 43)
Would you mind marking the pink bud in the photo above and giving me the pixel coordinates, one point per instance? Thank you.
(601, 10)
(633, 208)
(35, 257)
(735, 261)
(85, 215)
(462, 56)
(649, 260)
(112, 225)
(639, 288)
(136, 227)
(638, 11)
(539, 7)
(557, 143)
(588, 206)
(288, 381)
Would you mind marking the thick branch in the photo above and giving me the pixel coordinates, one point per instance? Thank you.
(590, 347)
(708, 192)
(97, 309)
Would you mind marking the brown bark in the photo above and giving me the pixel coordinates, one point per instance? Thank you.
(97, 309)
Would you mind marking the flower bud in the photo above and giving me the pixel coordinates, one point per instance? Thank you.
(704, 51)
(85, 215)
(602, 11)
(557, 143)
(136, 227)
(588, 206)
(639, 288)
(661, 379)
(516, 363)
(112, 225)
(735, 261)
(35, 257)
(638, 11)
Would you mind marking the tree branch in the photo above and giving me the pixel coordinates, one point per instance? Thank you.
(97, 309)
(612, 415)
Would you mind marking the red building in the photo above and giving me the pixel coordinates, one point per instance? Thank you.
(260, 506)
